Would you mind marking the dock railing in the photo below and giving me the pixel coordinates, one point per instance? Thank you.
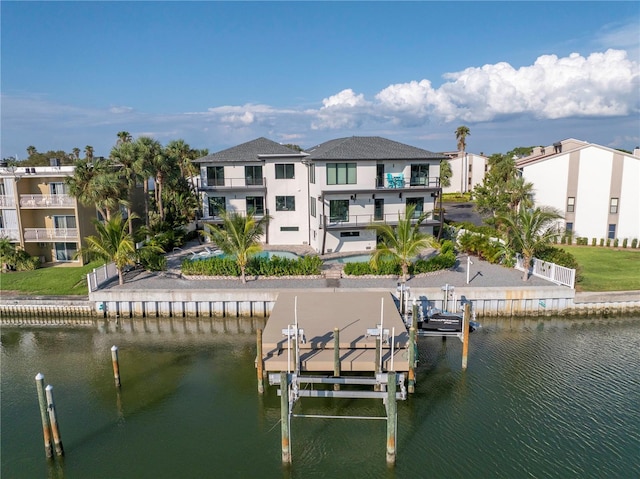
(100, 276)
(551, 271)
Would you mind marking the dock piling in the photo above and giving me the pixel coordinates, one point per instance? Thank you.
(259, 362)
(392, 417)
(116, 365)
(412, 360)
(284, 417)
(57, 440)
(46, 427)
(465, 334)
(336, 356)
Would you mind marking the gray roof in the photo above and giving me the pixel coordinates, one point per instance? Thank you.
(369, 148)
(249, 151)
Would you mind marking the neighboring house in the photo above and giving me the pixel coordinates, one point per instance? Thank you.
(468, 171)
(325, 197)
(596, 188)
(38, 215)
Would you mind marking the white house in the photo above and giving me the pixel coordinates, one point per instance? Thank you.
(327, 196)
(596, 188)
(468, 171)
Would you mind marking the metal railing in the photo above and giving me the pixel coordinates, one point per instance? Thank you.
(7, 201)
(359, 221)
(232, 182)
(47, 201)
(551, 271)
(100, 276)
(395, 181)
(50, 234)
(12, 234)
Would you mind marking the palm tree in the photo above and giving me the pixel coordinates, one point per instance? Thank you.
(147, 150)
(239, 236)
(76, 153)
(31, 150)
(519, 191)
(125, 154)
(528, 230)
(88, 152)
(403, 242)
(461, 137)
(113, 243)
(96, 184)
(182, 153)
(123, 137)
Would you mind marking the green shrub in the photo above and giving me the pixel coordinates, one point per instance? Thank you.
(601, 241)
(559, 256)
(615, 243)
(25, 262)
(275, 266)
(624, 243)
(634, 243)
(152, 261)
(593, 241)
(608, 242)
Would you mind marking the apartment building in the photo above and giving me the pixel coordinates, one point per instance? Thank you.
(595, 187)
(326, 196)
(38, 215)
(468, 171)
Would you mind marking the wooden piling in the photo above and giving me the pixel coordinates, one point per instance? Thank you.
(46, 427)
(377, 366)
(465, 334)
(412, 360)
(53, 420)
(259, 362)
(336, 356)
(284, 417)
(116, 365)
(392, 417)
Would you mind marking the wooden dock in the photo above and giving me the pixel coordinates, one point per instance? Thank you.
(356, 315)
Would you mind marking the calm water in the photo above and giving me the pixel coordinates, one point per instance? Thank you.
(540, 399)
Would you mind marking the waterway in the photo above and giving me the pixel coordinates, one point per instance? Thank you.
(541, 398)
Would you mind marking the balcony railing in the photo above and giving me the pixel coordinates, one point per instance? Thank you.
(395, 181)
(217, 218)
(47, 201)
(361, 221)
(50, 234)
(11, 234)
(7, 201)
(233, 183)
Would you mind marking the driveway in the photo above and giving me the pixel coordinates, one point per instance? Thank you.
(462, 212)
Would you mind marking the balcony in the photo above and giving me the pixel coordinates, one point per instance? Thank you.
(217, 219)
(233, 183)
(399, 181)
(10, 233)
(47, 201)
(7, 201)
(362, 221)
(50, 234)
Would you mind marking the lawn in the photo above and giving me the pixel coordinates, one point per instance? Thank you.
(49, 281)
(607, 269)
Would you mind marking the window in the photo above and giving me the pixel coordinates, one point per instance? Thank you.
(57, 189)
(341, 174)
(612, 232)
(613, 206)
(568, 227)
(285, 203)
(338, 210)
(215, 175)
(289, 228)
(255, 205)
(65, 251)
(64, 222)
(348, 234)
(571, 204)
(419, 175)
(378, 209)
(380, 175)
(284, 171)
(217, 205)
(418, 203)
(253, 175)
(312, 173)
(312, 206)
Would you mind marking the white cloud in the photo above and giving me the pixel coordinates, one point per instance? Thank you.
(342, 110)
(120, 109)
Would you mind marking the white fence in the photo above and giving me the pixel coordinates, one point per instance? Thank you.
(101, 275)
(551, 271)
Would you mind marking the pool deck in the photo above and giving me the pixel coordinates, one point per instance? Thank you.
(318, 313)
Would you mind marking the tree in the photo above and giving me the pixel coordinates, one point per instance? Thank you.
(88, 152)
(445, 173)
(461, 137)
(403, 242)
(147, 150)
(527, 231)
(125, 155)
(520, 192)
(113, 243)
(76, 153)
(123, 137)
(239, 236)
(31, 150)
(96, 184)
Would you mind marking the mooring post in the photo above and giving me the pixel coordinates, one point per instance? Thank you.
(392, 417)
(284, 417)
(336, 356)
(465, 334)
(116, 365)
(414, 314)
(412, 359)
(46, 427)
(377, 368)
(259, 362)
(57, 440)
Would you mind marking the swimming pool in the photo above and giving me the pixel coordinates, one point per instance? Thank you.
(357, 258)
(262, 254)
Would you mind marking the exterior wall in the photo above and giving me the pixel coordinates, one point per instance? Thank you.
(466, 174)
(592, 175)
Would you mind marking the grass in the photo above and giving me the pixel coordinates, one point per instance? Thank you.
(60, 281)
(607, 269)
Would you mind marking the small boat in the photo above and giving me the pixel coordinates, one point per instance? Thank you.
(443, 321)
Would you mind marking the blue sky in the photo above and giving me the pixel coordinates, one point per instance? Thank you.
(217, 74)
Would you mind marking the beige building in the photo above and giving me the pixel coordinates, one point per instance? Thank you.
(38, 215)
